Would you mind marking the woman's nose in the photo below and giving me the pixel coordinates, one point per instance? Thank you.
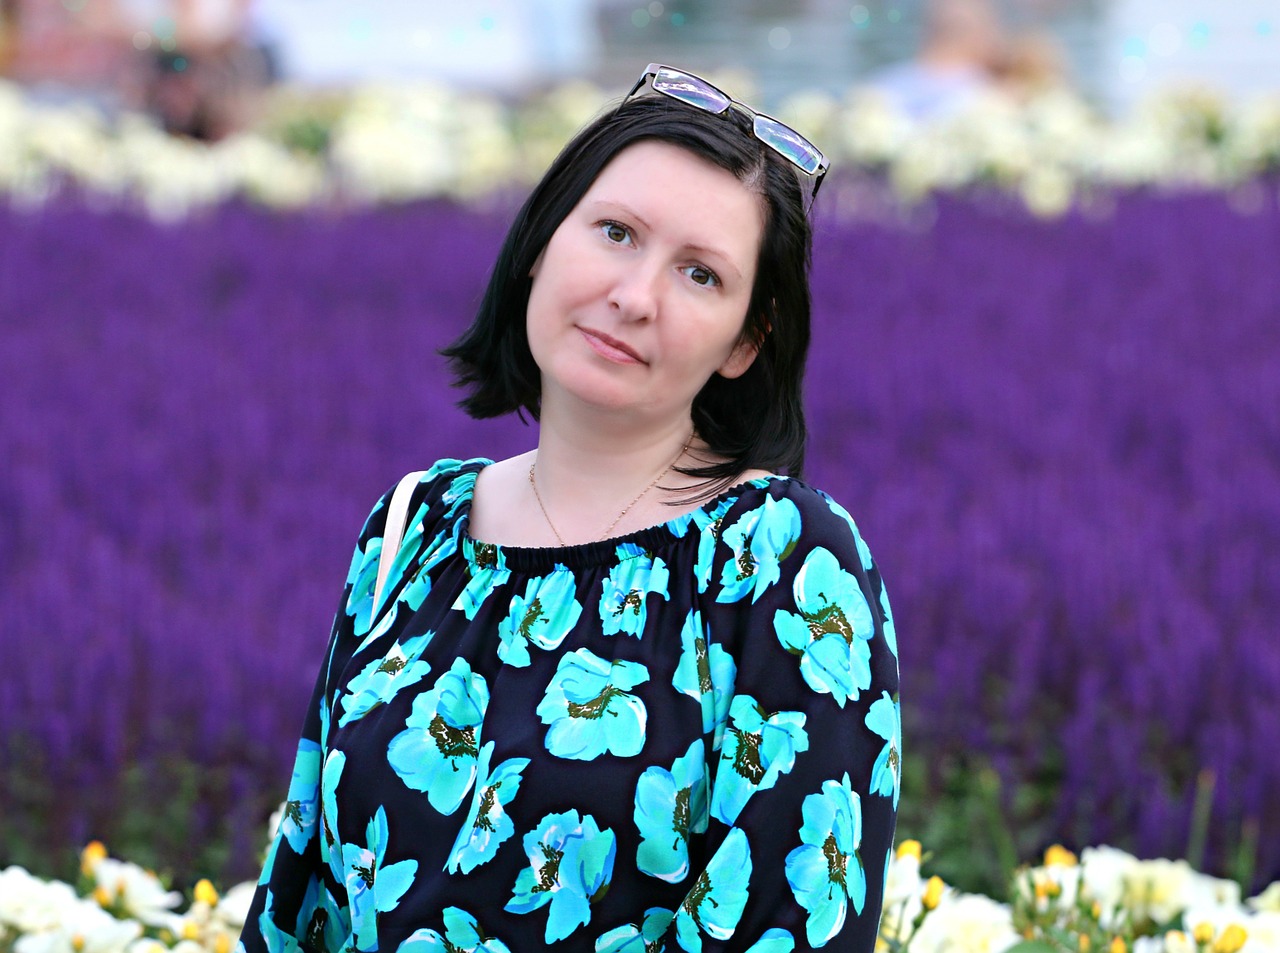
(635, 291)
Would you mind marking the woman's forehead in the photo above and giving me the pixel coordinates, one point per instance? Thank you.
(668, 181)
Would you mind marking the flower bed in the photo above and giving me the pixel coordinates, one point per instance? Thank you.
(401, 143)
(1059, 439)
(1108, 900)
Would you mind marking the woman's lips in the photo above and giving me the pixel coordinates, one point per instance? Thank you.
(611, 349)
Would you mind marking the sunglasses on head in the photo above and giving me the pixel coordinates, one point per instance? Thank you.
(697, 92)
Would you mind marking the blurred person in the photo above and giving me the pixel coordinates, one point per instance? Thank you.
(1030, 65)
(203, 64)
(68, 52)
(961, 45)
(635, 686)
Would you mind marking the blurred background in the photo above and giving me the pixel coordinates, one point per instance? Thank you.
(1045, 380)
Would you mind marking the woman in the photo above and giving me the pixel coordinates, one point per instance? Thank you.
(631, 690)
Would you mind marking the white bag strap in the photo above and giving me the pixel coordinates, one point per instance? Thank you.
(393, 533)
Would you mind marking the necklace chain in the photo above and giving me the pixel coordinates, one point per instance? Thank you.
(625, 510)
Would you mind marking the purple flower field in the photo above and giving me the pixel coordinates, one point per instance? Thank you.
(1061, 440)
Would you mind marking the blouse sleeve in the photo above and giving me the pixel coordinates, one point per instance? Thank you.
(805, 775)
(299, 903)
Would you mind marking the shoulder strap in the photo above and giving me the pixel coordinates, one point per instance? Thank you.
(393, 533)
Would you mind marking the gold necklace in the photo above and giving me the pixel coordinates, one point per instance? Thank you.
(625, 510)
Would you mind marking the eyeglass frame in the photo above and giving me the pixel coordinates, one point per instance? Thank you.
(823, 164)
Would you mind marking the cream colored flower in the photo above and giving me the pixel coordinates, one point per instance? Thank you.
(136, 891)
(83, 927)
(29, 904)
(233, 908)
(1268, 900)
(966, 923)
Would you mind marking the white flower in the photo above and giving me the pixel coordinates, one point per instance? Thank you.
(83, 927)
(1264, 933)
(1268, 900)
(137, 891)
(233, 908)
(29, 904)
(1106, 872)
(902, 892)
(966, 923)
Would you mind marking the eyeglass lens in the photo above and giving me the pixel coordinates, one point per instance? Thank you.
(789, 142)
(691, 90)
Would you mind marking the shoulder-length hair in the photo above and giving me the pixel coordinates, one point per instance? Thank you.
(755, 420)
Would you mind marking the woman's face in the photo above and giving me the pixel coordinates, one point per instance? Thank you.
(641, 294)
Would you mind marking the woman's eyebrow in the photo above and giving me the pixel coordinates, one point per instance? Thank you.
(723, 257)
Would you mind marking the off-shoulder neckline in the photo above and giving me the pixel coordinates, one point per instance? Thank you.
(606, 552)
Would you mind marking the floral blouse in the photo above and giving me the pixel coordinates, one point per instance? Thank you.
(686, 738)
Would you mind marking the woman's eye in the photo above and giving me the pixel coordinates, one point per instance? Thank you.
(701, 276)
(616, 233)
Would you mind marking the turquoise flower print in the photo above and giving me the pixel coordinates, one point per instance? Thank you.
(487, 574)
(637, 575)
(462, 934)
(825, 871)
(302, 806)
(885, 719)
(758, 749)
(890, 634)
(437, 751)
(670, 805)
(864, 554)
(330, 775)
(487, 824)
(275, 939)
(715, 903)
(378, 683)
(776, 940)
(361, 576)
(706, 673)
(589, 710)
(570, 865)
(461, 488)
(371, 887)
(708, 524)
(645, 938)
(831, 630)
(760, 540)
(321, 924)
(543, 616)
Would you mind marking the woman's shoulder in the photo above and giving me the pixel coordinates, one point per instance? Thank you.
(434, 493)
(790, 508)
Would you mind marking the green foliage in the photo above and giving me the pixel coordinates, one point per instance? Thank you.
(977, 827)
(168, 814)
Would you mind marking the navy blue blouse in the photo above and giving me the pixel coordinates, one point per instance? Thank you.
(683, 738)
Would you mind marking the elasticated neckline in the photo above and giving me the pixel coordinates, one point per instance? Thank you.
(604, 553)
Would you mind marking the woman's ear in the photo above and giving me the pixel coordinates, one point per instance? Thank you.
(744, 352)
(537, 263)
(740, 358)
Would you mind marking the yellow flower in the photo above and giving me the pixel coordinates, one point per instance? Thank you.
(909, 848)
(93, 853)
(1231, 940)
(1083, 942)
(932, 892)
(1202, 932)
(77, 942)
(102, 896)
(1059, 856)
(222, 943)
(190, 931)
(1118, 945)
(205, 893)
